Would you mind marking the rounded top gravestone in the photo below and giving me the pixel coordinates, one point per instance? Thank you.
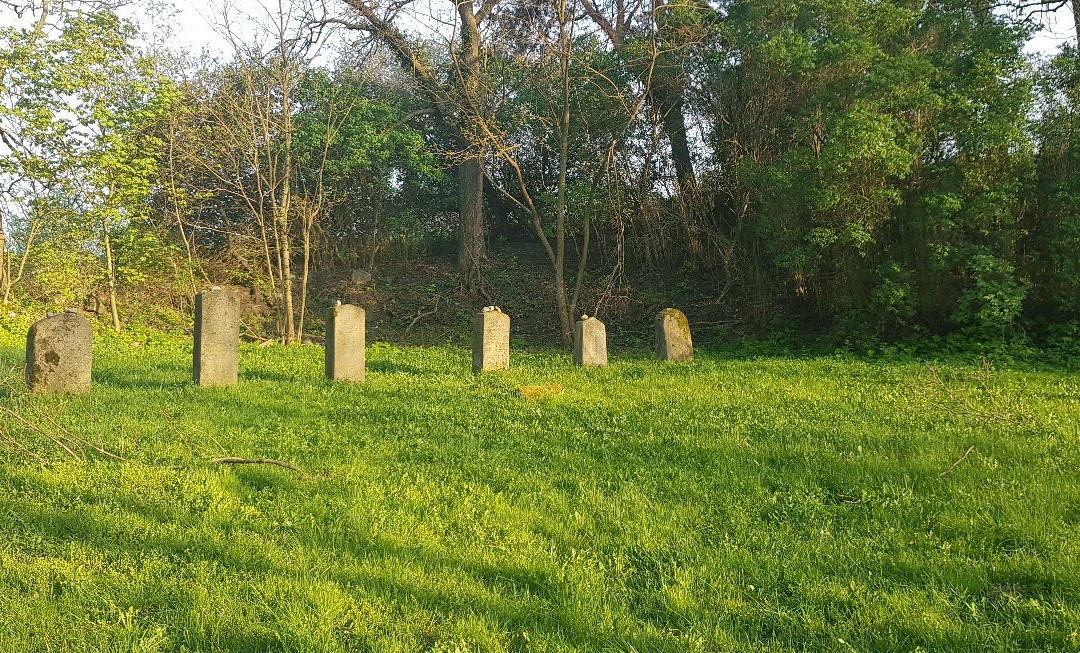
(673, 342)
(59, 354)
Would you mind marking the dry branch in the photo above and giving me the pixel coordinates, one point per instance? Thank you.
(960, 401)
(30, 419)
(259, 461)
(957, 463)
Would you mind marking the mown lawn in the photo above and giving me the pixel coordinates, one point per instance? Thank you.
(732, 504)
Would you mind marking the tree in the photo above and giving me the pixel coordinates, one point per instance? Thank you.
(459, 101)
(660, 49)
(560, 115)
(243, 142)
(80, 103)
(269, 153)
(118, 163)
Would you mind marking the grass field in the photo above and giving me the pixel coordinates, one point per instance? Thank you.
(732, 504)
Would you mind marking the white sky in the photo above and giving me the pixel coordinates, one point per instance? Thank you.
(188, 25)
(1057, 30)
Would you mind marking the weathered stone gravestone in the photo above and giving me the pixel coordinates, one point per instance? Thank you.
(59, 354)
(360, 277)
(491, 340)
(217, 338)
(345, 342)
(590, 342)
(673, 336)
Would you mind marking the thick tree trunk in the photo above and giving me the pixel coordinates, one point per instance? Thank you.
(669, 101)
(471, 207)
(669, 95)
(1076, 20)
(471, 171)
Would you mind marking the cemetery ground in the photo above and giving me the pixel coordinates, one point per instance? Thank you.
(737, 503)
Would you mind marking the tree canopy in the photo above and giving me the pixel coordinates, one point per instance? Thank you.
(875, 170)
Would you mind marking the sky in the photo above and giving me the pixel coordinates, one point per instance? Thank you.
(1058, 29)
(190, 25)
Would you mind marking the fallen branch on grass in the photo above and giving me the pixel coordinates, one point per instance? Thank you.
(957, 463)
(961, 401)
(258, 461)
(35, 418)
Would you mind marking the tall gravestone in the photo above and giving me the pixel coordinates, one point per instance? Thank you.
(673, 341)
(217, 338)
(345, 342)
(590, 342)
(491, 340)
(59, 354)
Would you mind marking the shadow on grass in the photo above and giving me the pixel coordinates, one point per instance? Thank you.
(391, 367)
(165, 377)
(278, 377)
(515, 598)
(413, 578)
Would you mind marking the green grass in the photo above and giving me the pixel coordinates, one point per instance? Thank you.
(766, 504)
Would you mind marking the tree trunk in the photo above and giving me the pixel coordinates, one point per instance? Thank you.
(669, 96)
(669, 102)
(5, 264)
(287, 80)
(560, 201)
(286, 277)
(566, 325)
(110, 273)
(470, 171)
(173, 195)
(308, 223)
(12, 280)
(583, 261)
(1076, 20)
(471, 207)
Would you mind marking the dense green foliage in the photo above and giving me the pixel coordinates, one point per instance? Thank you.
(740, 503)
(873, 171)
(886, 179)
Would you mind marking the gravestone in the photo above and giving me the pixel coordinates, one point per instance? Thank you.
(673, 336)
(59, 354)
(345, 342)
(360, 277)
(217, 338)
(590, 342)
(491, 340)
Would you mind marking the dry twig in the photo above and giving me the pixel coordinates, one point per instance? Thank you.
(45, 424)
(259, 461)
(961, 401)
(421, 314)
(957, 463)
